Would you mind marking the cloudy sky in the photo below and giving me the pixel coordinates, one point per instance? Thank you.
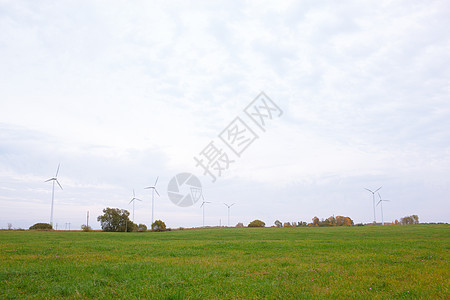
(121, 93)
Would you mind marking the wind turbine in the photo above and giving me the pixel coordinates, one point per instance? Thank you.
(229, 212)
(373, 198)
(133, 200)
(203, 205)
(54, 179)
(381, 201)
(153, 188)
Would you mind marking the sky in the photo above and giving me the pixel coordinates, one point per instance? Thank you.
(121, 93)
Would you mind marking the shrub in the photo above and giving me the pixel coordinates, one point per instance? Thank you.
(257, 223)
(142, 228)
(158, 225)
(86, 228)
(41, 226)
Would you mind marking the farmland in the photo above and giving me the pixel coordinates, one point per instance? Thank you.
(231, 263)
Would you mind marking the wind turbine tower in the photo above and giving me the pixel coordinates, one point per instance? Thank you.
(203, 206)
(54, 179)
(381, 202)
(133, 200)
(153, 188)
(229, 206)
(373, 199)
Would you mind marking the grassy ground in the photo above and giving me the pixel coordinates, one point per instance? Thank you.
(236, 263)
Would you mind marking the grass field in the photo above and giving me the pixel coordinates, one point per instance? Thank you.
(232, 263)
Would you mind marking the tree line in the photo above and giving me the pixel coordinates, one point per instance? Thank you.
(331, 221)
(117, 220)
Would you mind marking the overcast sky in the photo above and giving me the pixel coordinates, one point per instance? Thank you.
(120, 93)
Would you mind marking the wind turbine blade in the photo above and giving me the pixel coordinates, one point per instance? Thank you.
(378, 189)
(57, 170)
(157, 192)
(138, 199)
(156, 180)
(232, 204)
(58, 183)
(203, 203)
(369, 190)
(379, 195)
(131, 201)
(134, 194)
(379, 202)
(50, 179)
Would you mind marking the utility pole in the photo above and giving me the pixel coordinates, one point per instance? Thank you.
(87, 220)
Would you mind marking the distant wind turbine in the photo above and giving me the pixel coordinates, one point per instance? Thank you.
(203, 205)
(373, 198)
(54, 179)
(153, 188)
(229, 212)
(381, 202)
(133, 200)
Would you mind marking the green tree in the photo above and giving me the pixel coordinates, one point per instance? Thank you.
(158, 225)
(256, 223)
(115, 220)
(41, 226)
(408, 220)
(278, 223)
(142, 227)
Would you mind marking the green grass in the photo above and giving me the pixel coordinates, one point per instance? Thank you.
(235, 263)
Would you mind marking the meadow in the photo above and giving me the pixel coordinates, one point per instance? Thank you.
(230, 263)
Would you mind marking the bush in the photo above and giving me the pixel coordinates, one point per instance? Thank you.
(158, 225)
(41, 226)
(239, 224)
(142, 228)
(257, 223)
(86, 228)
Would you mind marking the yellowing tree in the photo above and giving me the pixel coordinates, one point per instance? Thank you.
(348, 221)
(315, 221)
